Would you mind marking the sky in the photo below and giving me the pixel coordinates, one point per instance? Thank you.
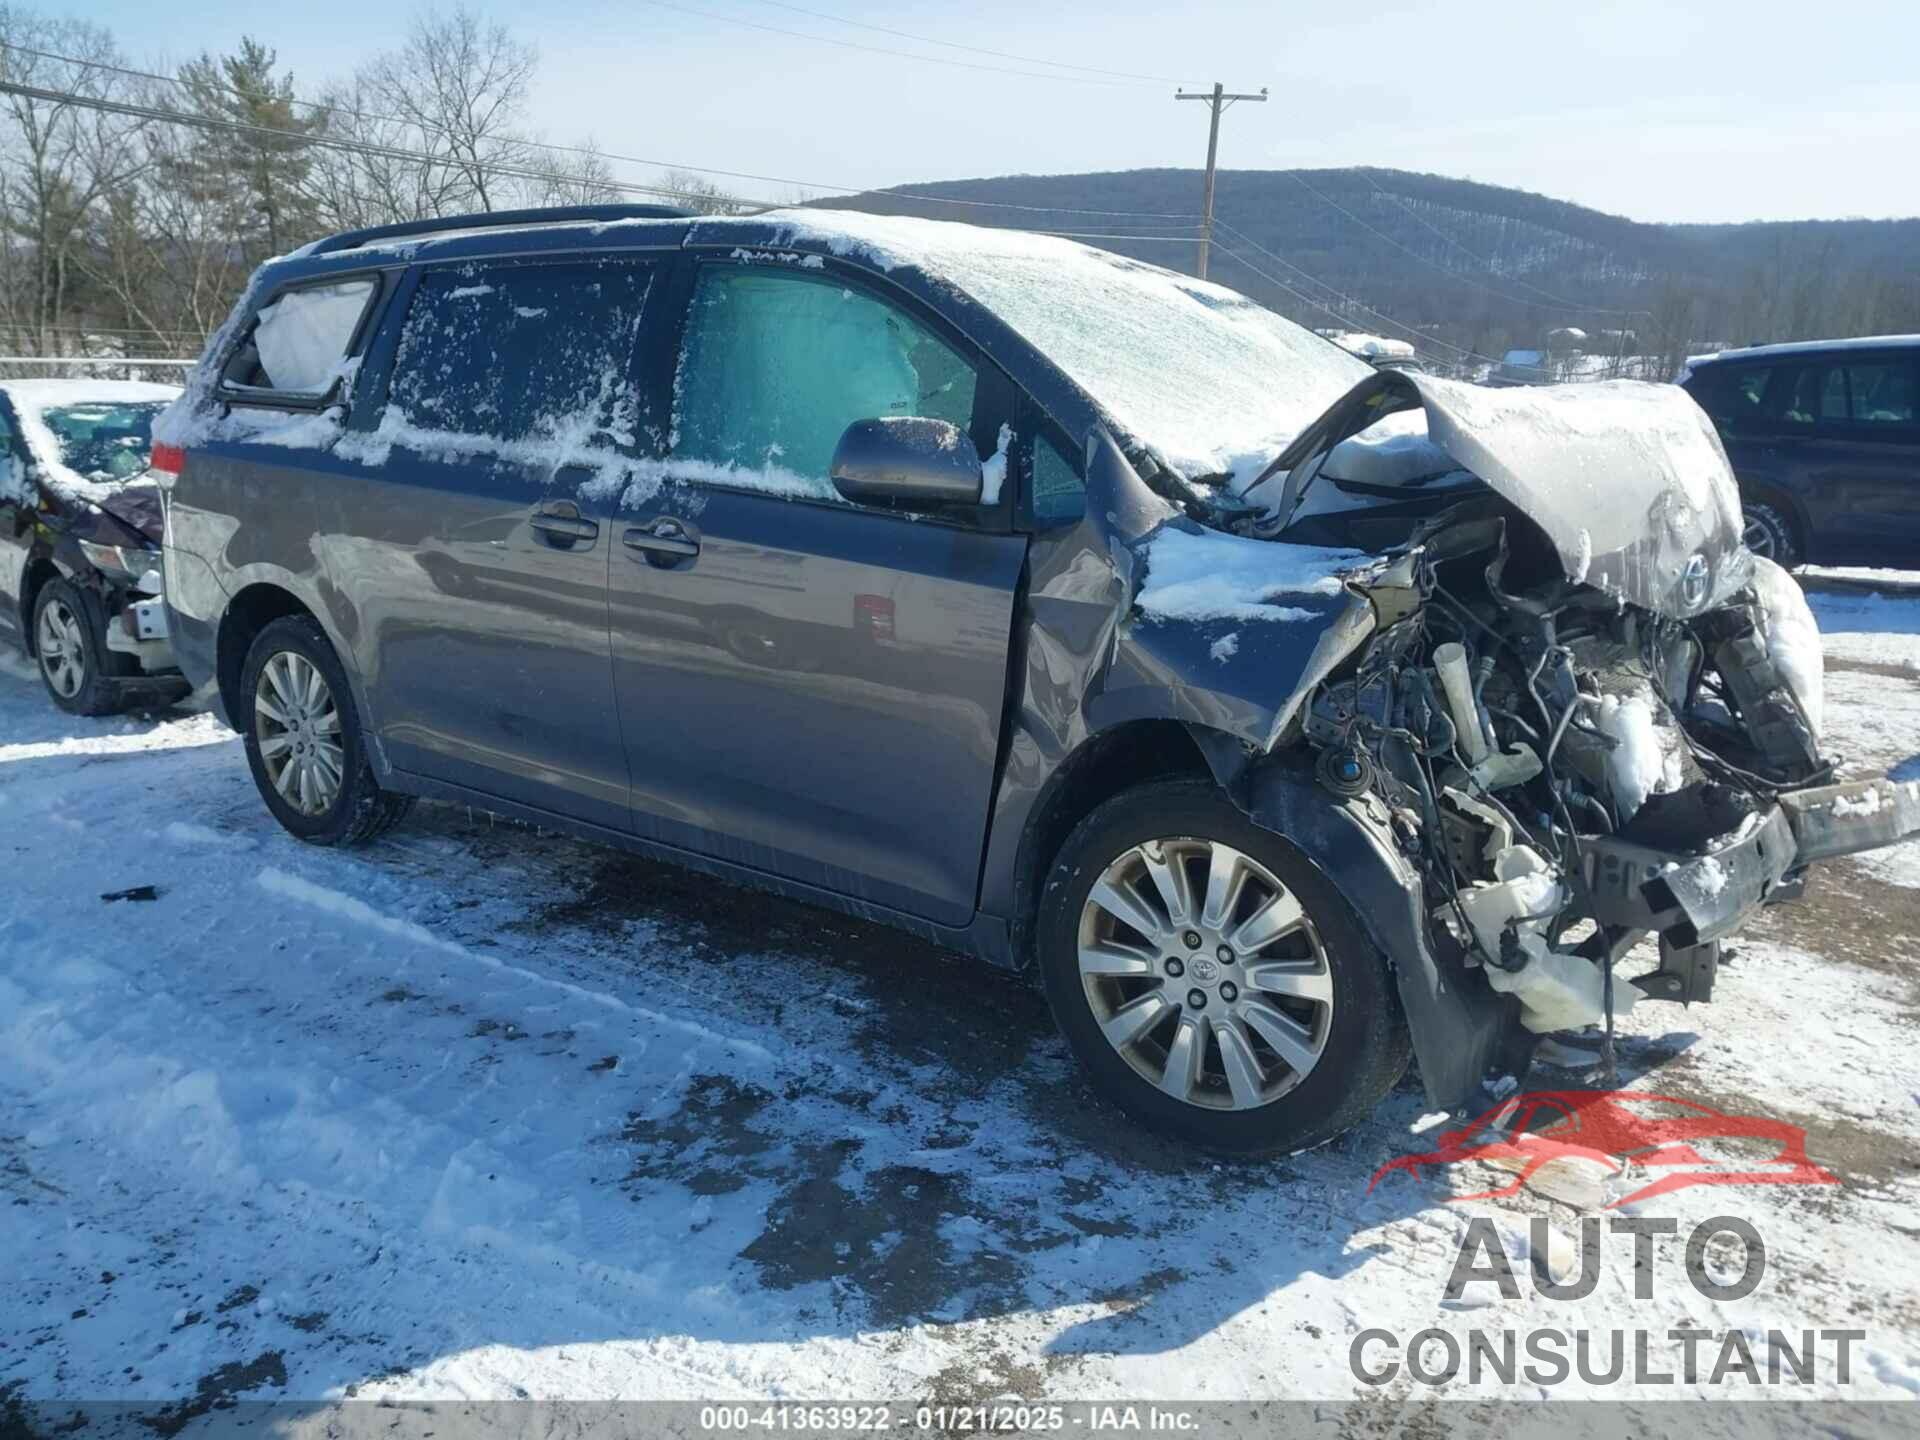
(1700, 110)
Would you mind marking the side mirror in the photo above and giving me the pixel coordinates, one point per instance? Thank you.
(907, 459)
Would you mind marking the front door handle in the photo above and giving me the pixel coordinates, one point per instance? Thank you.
(561, 520)
(665, 536)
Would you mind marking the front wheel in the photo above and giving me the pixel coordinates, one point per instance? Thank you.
(1769, 532)
(304, 742)
(70, 642)
(1211, 980)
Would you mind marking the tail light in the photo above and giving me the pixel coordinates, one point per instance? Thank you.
(873, 616)
(168, 460)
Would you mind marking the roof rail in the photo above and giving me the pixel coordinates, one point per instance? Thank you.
(491, 219)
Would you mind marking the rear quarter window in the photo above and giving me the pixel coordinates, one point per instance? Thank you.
(301, 340)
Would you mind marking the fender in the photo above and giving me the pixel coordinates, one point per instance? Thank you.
(1460, 1027)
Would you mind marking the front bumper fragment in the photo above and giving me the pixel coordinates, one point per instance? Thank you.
(1846, 819)
(1691, 900)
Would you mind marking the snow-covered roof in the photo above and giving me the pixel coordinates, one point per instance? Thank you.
(1806, 347)
(1210, 381)
(33, 398)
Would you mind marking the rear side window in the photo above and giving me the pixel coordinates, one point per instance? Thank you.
(1733, 395)
(1880, 393)
(536, 352)
(776, 365)
(1866, 399)
(301, 339)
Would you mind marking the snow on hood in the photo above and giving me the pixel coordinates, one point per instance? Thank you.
(33, 398)
(1628, 479)
(1210, 381)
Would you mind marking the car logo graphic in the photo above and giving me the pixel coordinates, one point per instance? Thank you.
(1616, 1129)
(1693, 581)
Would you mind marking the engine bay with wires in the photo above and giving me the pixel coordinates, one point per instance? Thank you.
(1568, 772)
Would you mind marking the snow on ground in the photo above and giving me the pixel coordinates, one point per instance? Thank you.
(479, 1111)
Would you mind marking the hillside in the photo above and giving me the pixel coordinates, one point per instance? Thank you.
(1458, 265)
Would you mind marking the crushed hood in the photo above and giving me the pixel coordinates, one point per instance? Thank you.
(1628, 480)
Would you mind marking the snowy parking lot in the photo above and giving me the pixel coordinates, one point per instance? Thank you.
(483, 1112)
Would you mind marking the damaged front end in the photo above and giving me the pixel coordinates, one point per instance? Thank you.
(1570, 712)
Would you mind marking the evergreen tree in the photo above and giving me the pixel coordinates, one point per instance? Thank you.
(249, 159)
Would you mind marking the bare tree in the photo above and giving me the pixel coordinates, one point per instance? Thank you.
(576, 176)
(57, 161)
(461, 83)
(699, 194)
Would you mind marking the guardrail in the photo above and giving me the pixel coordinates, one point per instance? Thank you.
(134, 362)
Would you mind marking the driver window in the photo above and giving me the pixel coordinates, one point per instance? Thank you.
(775, 365)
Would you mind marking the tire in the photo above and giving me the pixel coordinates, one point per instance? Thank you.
(1325, 977)
(1770, 532)
(70, 642)
(304, 743)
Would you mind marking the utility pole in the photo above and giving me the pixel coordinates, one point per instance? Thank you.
(1217, 101)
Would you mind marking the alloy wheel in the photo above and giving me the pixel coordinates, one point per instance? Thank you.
(1205, 973)
(297, 724)
(62, 646)
(1759, 537)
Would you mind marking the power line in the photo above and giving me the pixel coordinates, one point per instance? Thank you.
(327, 142)
(587, 150)
(1419, 335)
(971, 49)
(1233, 254)
(882, 50)
(396, 152)
(1409, 250)
(1088, 235)
(1492, 269)
(1276, 281)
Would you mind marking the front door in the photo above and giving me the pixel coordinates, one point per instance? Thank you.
(475, 531)
(808, 687)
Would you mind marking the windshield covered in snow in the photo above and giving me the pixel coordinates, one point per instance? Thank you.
(104, 443)
(1212, 382)
(88, 437)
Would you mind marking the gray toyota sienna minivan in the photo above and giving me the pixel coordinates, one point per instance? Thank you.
(1287, 717)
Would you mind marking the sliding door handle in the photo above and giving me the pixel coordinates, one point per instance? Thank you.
(565, 525)
(665, 537)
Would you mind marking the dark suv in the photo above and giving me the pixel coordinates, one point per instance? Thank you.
(960, 579)
(1824, 437)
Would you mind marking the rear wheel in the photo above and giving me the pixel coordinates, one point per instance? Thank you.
(70, 642)
(1769, 532)
(1211, 980)
(303, 739)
